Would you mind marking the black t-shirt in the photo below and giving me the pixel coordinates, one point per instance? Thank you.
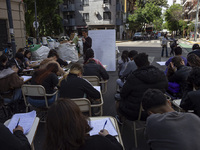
(98, 142)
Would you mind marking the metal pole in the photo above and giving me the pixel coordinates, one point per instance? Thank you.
(11, 26)
(36, 28)
(197, 19)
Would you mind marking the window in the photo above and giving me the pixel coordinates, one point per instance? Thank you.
(107, 15)
(107, 1)
(86, 2)
(86, 17)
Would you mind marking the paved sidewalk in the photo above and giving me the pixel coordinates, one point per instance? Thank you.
(191, 41)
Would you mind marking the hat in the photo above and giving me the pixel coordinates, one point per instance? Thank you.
(19, 56)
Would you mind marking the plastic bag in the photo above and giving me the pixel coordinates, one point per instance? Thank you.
(68, 52)
(41, 53)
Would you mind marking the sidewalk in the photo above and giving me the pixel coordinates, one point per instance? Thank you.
(190, 41)
(121, 41)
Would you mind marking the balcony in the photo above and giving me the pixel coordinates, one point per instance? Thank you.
(186, 1)
(69, 22)
(65, 7)
(118, 7)
(119, 21)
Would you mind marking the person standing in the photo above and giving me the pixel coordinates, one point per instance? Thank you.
(87, 41)
(164, 45)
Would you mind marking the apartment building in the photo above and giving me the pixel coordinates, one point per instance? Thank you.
(18, 14)
(190, 9)
(93, 15)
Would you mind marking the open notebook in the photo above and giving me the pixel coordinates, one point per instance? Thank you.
(26, 121)
(97, 126)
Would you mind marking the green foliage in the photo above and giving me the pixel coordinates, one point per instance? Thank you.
(191, 27)
(161, 3)
(48, 17)
(158, 24)
(172, 17)
(144, 15)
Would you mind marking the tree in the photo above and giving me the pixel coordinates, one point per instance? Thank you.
(47, 15)
(144, 15)
(172, 17)
(161, 3)
(157, 24)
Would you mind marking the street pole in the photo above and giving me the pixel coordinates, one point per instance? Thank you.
(36, 27)
(197, 20)
(11, 26)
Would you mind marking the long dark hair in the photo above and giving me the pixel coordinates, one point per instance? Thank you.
(26, 52)
(41, 74)
(193, 60)
(66, 126)
(124, 56)
(88, 54)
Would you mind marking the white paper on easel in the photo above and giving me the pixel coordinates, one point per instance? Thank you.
(26, 121)
(97, 126)
(104, 46)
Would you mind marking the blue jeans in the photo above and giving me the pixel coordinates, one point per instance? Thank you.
(163, 51)
(17, 95)
(120, 83)
(41, 102)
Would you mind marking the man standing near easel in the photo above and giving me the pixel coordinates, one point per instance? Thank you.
(87, 41)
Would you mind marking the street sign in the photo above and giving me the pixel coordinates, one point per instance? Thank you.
(34, 24)
(127, 26)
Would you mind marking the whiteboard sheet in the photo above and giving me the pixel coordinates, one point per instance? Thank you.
(97, 126)
(103, 44)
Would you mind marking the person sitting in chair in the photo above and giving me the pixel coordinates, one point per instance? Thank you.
(73, 86)
(48, 79)
(167, 129)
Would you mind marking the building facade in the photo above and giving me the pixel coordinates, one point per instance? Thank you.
(18, 15)
(93, 15)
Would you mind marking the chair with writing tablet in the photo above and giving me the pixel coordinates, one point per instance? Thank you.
(84, 105)
(94, 80)
(85, 108)
(136, 125)
(37, 91)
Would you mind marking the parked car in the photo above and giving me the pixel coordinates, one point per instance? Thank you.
(138, 36)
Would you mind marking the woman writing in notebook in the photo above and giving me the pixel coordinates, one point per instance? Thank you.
(67, 129)
(48, 79)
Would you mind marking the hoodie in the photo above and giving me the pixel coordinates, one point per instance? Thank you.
(137, 83)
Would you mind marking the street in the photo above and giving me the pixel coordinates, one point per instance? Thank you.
(153, 49)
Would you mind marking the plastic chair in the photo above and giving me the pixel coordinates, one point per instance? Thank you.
(94, 80)
(38, 91)
(84, 105)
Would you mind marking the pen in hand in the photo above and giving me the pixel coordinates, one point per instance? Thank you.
(17, 123)
(104, 124)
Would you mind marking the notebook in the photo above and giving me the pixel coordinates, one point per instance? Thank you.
(26, 78)
(26, 121)
(97, 126)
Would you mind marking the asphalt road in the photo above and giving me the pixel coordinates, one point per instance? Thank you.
(153, 49)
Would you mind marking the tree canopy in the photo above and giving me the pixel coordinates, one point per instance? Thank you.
(145, 15)
(161, 3)
(173, 16)
(50, 22)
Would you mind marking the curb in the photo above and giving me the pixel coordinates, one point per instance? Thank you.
(123, 41)
(193, 42)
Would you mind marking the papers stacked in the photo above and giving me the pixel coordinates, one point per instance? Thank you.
(97, 126)
(26, 78)
(26, 121)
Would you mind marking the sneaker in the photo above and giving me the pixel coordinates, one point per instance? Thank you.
(118, 119)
